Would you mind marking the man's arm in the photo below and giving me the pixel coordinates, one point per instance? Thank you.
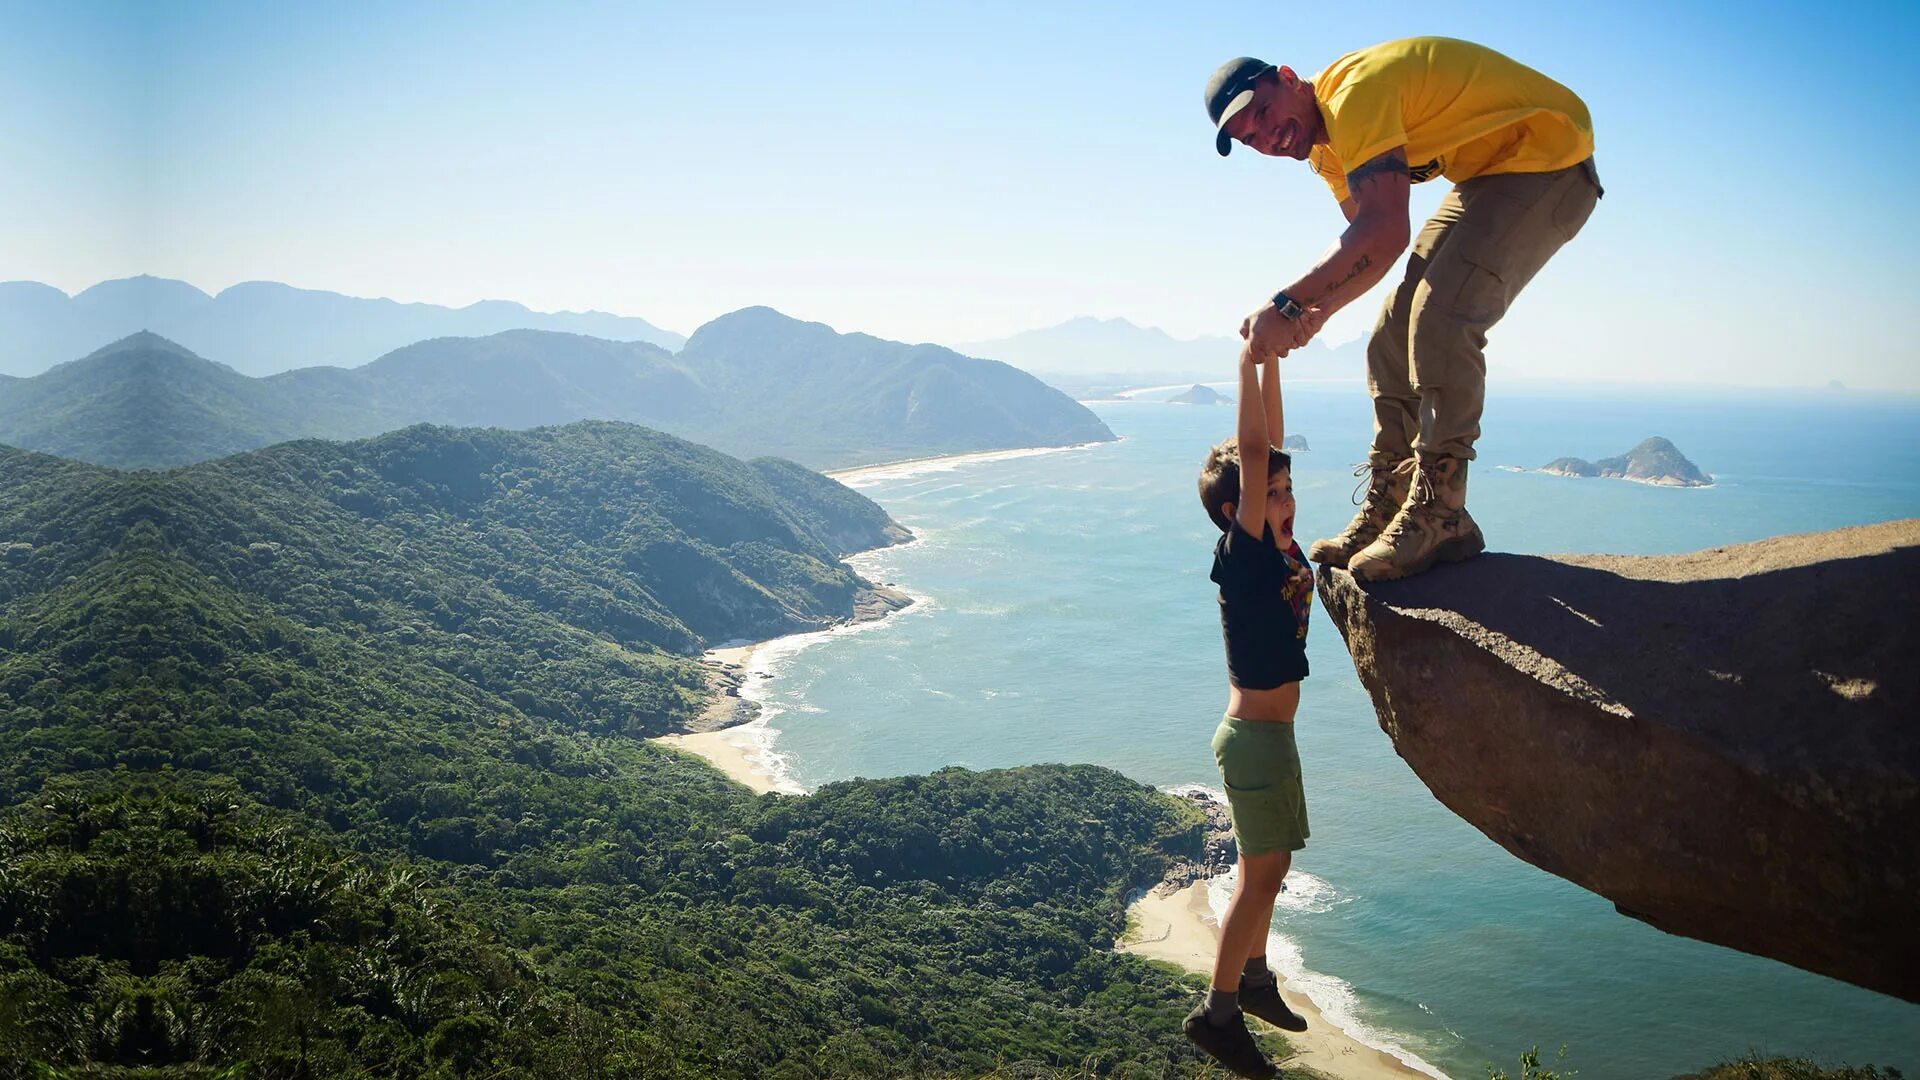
(1378, 231)
(1251, 509)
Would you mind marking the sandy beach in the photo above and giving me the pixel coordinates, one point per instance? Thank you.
(734, 753)
(725, 734)
(1177, 926)
(731, 733)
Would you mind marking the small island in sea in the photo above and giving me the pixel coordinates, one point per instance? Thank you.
(1295, 444)
(1654, 461)
(1200, 395)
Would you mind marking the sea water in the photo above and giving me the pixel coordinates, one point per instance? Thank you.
(1066, 615)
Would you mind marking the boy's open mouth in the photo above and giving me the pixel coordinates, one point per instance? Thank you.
(1287, 526)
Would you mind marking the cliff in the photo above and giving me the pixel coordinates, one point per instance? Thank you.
(1726, 744)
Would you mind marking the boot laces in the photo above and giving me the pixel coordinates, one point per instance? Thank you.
(1422, 499)
(1374, 481)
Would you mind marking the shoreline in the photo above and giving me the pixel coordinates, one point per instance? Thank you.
(732, 733)
(1174, 923)
(887, 470)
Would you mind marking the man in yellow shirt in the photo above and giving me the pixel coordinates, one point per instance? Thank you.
(1519, 149)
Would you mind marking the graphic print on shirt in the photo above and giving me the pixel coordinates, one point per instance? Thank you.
(1299, 590)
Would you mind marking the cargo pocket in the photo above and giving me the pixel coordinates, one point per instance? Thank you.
(1482, 296)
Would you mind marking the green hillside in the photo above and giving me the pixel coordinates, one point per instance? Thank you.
(325, 759)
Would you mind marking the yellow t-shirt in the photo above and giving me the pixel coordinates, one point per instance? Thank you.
(1461, 110)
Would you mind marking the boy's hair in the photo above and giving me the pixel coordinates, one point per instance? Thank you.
(1220, 478)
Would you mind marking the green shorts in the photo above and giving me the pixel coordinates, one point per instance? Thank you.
(1261, 769)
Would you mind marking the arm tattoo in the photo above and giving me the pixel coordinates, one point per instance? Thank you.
(1359, 265)
(1380, 166)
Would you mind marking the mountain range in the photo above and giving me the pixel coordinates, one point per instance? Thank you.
(263, 327)
(753, 382)
(1086, 351)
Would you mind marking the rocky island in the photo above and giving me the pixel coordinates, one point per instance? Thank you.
(1200, 395)
(1654, 461)
(1295, 444)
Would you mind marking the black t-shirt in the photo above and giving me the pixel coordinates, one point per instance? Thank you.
(1263, 608)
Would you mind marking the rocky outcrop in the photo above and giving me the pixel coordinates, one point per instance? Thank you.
(1294, 444)
(1726, 744)
(1200, 395)
(1654, 461)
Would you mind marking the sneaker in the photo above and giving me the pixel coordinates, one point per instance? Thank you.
(1386, 487)
(1265, 1002)
(1433, 527)
(1231, 1046)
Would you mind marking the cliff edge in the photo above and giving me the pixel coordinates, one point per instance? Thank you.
(1726, 744)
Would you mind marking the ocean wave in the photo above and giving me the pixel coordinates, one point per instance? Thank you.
(874, 474)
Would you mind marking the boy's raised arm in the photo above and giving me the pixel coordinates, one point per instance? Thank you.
(1270, 395)
(1251, 510)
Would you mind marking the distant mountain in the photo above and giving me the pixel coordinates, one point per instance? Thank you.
(263, 327)
(1086, 348)
(755, 383)
(1654, 461)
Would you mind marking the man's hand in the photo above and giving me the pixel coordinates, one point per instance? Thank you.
(1270, 334)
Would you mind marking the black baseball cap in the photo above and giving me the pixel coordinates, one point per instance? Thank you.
(1228, 91)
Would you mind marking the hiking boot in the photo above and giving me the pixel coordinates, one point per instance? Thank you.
(1433, 527)
(1264, 1001)
(1386, 487)
(1231, 1046)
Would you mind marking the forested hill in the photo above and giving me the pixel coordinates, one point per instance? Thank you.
(326, 759)
(752, 383)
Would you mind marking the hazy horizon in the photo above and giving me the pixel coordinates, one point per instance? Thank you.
(1512, 379)
(948, 175)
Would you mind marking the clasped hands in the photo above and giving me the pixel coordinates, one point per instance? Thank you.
(1269, 334)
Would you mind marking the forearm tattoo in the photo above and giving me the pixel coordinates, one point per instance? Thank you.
(1359, 265)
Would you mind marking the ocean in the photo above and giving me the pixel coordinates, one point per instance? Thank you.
(1065, 615)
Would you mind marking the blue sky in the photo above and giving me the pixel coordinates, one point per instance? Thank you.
(950, 173)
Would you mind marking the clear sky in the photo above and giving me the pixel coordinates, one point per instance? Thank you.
(951, 172)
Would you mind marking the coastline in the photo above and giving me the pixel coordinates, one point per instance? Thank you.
(887, 470)
(1174, 922)
(732, 733)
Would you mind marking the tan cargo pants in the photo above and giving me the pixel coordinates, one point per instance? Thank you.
(1426, 370)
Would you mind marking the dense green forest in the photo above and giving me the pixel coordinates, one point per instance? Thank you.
(753, 382)
(326, 760)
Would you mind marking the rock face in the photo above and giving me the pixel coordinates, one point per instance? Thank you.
(1294, 444)
(1653, 461)
(1726, 744)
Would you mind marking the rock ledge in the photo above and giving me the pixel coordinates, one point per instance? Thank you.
(1726, 744)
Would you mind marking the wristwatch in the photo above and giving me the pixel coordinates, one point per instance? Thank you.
(1289, 308)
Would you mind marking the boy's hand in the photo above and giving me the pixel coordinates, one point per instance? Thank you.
(1270, 334)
